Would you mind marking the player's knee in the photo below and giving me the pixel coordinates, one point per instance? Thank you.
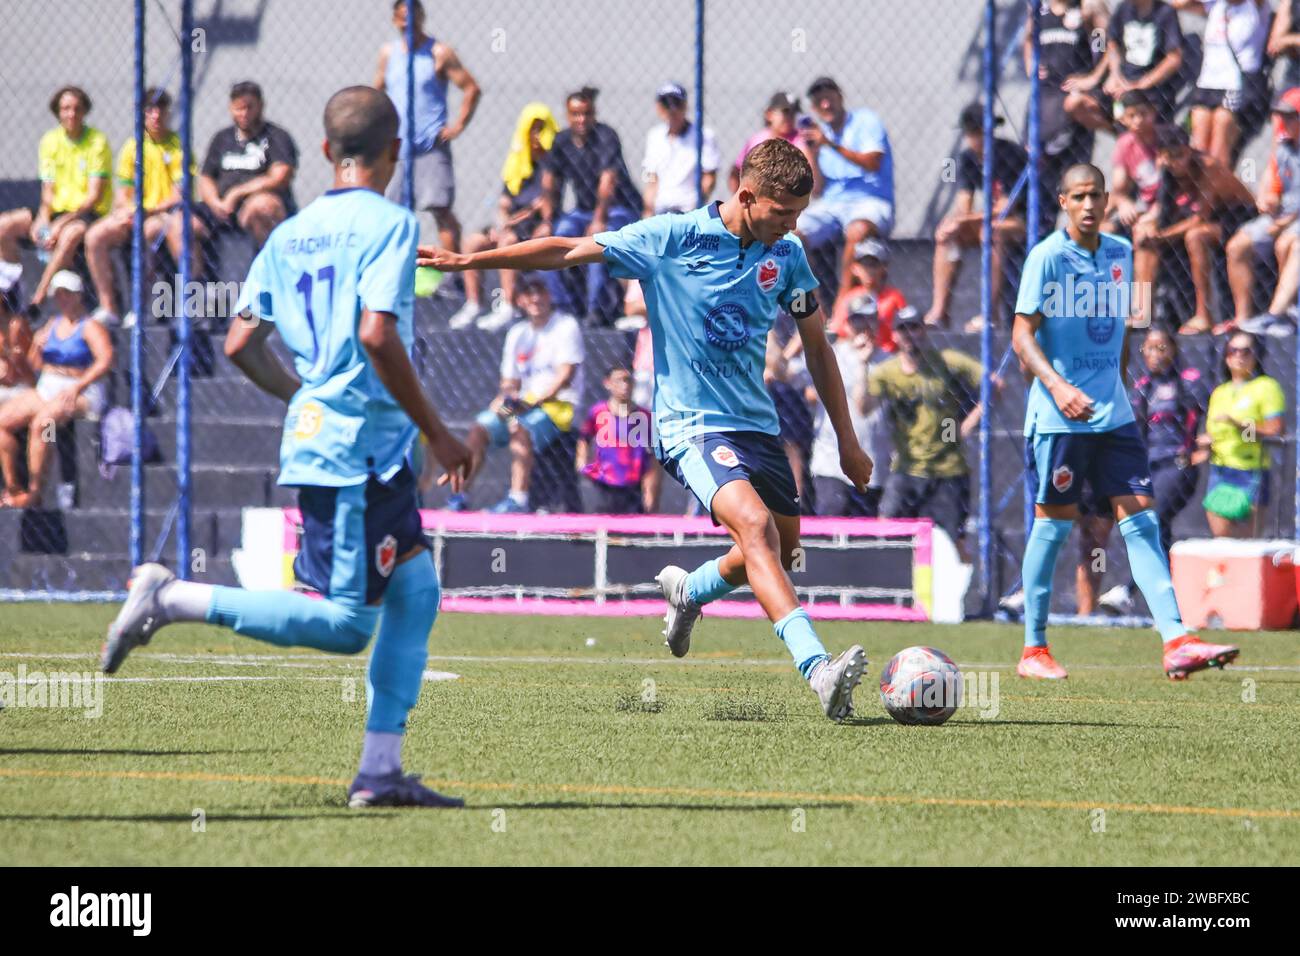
(354, 626)
(751, 527)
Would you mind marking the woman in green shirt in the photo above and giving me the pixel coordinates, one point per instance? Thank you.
(1247, 408)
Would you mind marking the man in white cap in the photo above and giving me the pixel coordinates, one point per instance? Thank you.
(669, 168)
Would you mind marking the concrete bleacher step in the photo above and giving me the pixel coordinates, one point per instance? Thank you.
(106, 531)
(212, 486)
(83, 572)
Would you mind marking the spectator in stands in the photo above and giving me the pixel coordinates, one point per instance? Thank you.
(930, 400)
(853, 174)
(869, 276)
(16, 375)
(247, 177)
(587, 155)
(614, 450)
(1274, 234)
(1070, 71)
(75, 164)
(1245, 409)
(669, 168)
(963, 227)
(1231, 96)
(433, 183)
(72, 354)
(856, 350)
(1200, 205)
(778, 120)
(1135, 174)
(161, 200)
(541, 381)
(1144, 53)
(518, 216)
(1169, 404)
(787, 379)
(1284, 41)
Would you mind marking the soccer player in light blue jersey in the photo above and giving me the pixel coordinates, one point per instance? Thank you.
(1070, 333)
(337, 282)
(714, 281)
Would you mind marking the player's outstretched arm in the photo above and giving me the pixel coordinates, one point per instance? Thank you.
(1073, 402)
(379, 337)
(247, 350)
(551, 252)
(825, 372)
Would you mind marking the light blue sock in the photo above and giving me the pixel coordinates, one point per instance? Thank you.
(293, 620)
(1045, 539)
(1150, 567)
(397, 661)
(796, 629)
(706, 583)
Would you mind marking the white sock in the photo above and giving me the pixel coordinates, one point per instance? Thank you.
(381, 754)
(186, 600)
(519, 498)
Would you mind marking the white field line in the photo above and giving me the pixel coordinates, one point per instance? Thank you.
(357, 663)
(429, 676)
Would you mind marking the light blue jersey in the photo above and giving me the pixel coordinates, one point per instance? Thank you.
(430, 93)
(350, 249)
(710, 305)
(845, 180)
(1084, 298)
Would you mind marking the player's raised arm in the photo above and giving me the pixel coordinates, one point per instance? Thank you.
(549, 253)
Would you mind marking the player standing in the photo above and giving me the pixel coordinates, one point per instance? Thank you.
(714, 280)
(1070, 333)
(338, 281)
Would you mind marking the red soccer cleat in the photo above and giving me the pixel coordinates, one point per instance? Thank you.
(1037, 662)
(1188, 654)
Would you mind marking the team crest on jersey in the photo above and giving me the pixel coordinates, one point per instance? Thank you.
(727, 327)
(725, 457)
(768, 274)
(310, 418)
(386, 555)
(1116, 272)
(1062, 478)
(1101, 328)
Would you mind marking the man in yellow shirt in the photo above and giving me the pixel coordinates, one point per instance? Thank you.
(162, 198)
(75, 162)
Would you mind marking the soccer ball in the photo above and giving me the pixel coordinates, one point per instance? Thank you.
(920, 685)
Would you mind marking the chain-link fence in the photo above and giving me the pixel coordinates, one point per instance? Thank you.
(888, 80)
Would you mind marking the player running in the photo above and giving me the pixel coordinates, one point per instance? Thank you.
(1070, 333)
(714, 280)
(338, 282)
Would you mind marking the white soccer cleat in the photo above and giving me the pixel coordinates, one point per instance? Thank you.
(1118, 600)
(835, 680)
(502, 314)
(140, 617)
(464, 317)
(682, 611)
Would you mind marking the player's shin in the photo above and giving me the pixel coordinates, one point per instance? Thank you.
(1044, 544)
(293, 620)
(1150, 568)
(796, 630)
(397, 661)
(706, 583)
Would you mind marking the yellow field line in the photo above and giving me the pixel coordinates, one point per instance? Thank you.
(616, 790)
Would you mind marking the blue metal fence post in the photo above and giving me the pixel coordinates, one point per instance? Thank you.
(408, 145)
(986, 305)
(137, 305)
(183, 319)
(699, 102)
(1035, 150)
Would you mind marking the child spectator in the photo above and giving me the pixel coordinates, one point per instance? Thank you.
(1144, 52)
(614, 450)
(869, 276)
(1135, 174)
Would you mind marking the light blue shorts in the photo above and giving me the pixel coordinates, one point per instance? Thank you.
(826, 219)
(535, 421)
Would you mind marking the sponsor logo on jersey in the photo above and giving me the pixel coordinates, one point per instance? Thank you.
(727, 326)
(705, 242)
(768, 274)
(783, 248)
(696, 266)
(1062, 478)
(386, 555)
(725, 457)
(310, 418)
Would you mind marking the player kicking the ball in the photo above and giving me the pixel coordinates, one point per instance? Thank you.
(714, 281)
(1070, 333)
(338, 282)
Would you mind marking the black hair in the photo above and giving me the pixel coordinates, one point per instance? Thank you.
(587, 94)
(157, 96)
(1257, 348)
(76, 91)
(360, 123)
(246, 88)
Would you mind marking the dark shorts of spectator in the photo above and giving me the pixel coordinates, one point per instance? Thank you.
(616, 499)
(839, 499)
(86, 217)
(1253, 481)
(215, 225)
(945, 501)
(1250, 104)
(794, 415)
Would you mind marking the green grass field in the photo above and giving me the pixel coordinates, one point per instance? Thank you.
(566, 755)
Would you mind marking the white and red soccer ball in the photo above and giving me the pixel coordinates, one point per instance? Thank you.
(920, 685)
